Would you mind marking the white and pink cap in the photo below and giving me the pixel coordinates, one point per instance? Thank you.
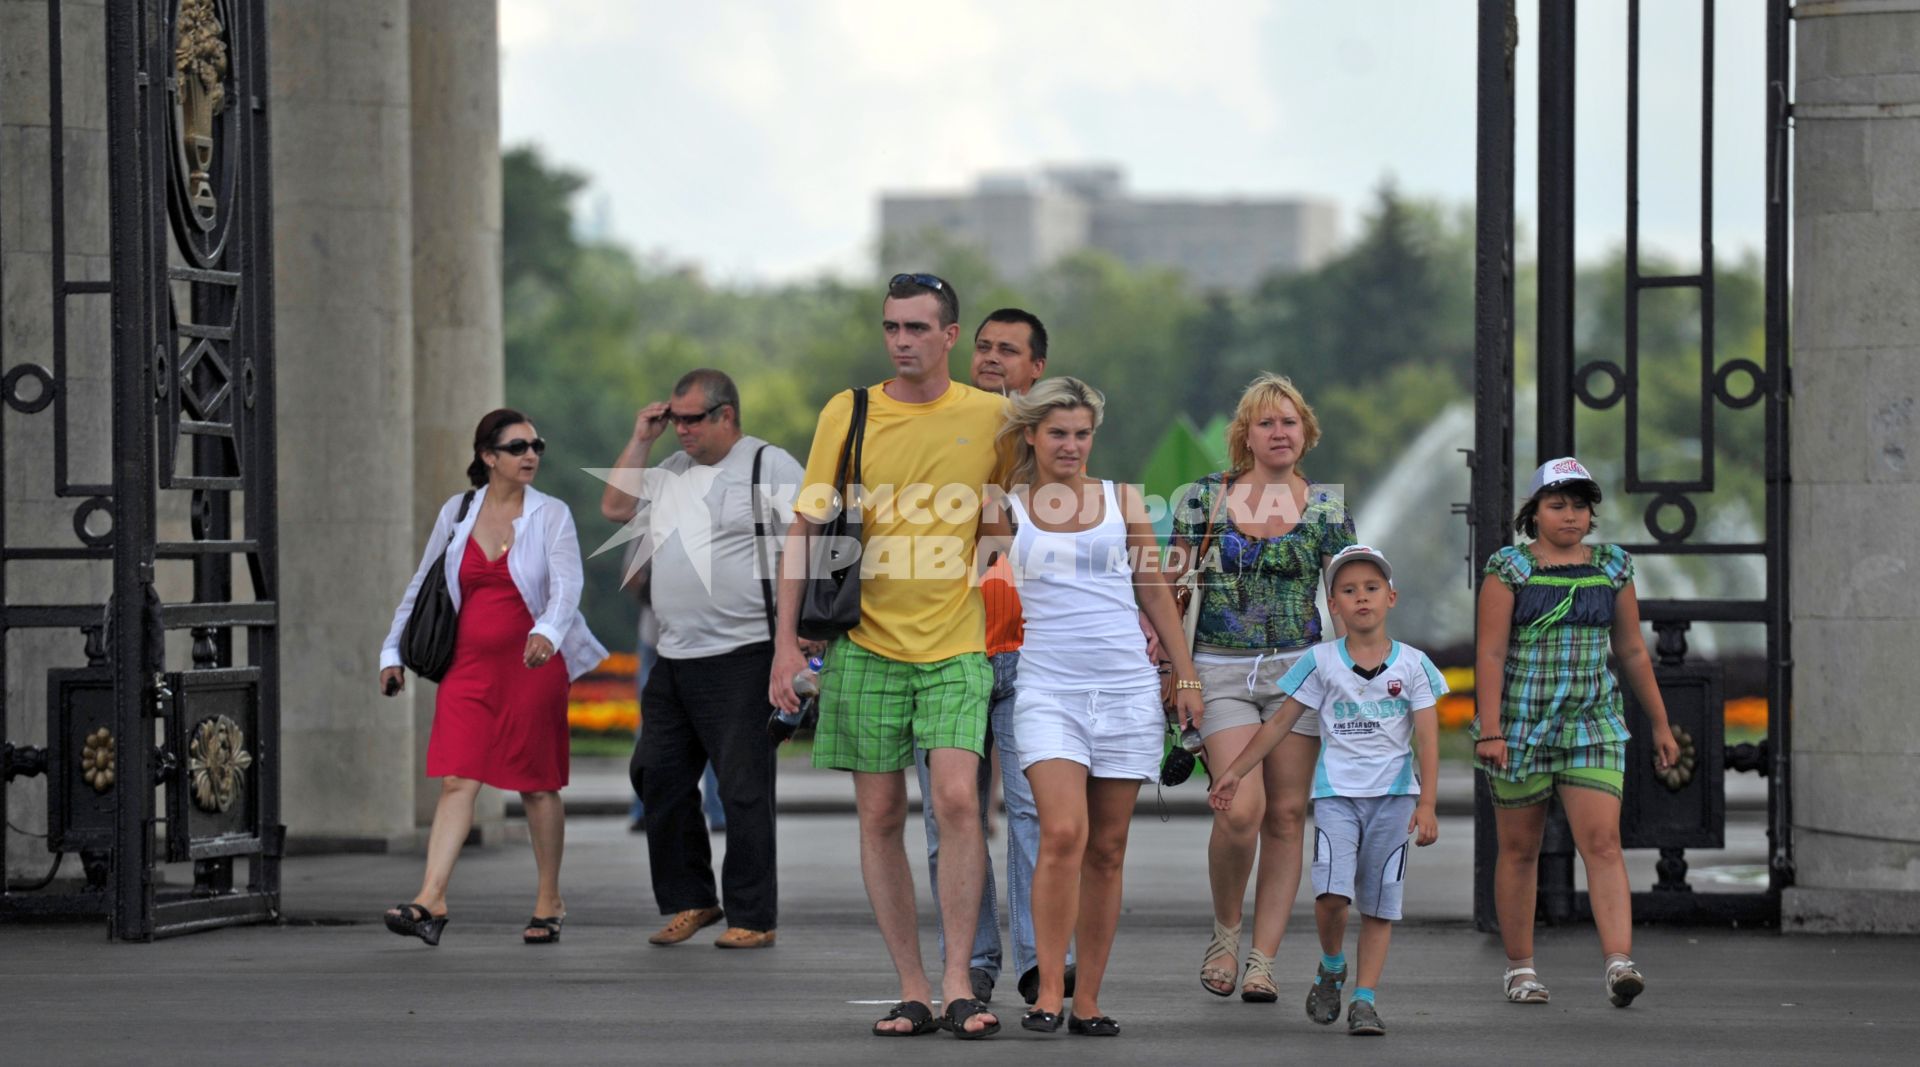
(1556, 471)
(1354, 554)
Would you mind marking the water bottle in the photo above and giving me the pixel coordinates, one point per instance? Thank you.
(806, 685)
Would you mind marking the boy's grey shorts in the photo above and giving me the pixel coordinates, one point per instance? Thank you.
(1360, 850)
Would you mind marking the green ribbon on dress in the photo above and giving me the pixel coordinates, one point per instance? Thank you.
(1538, 628)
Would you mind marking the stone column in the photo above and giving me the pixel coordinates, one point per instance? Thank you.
(35, 514)
(343, 235)
(1856, 466)
(458, 361)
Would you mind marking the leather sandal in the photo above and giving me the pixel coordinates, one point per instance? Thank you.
(414, 920)
(550, 925)
(1225, 945)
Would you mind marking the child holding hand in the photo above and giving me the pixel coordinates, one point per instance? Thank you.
(1376, 701)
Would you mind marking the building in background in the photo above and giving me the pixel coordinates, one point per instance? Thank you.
(1026, 222)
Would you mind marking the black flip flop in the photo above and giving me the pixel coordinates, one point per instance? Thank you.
(551, 926)
(912, 1011)
(959, 1011)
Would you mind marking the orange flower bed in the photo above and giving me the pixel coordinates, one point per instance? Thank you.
(604, 716)
(1456, 711)
(1747, 713)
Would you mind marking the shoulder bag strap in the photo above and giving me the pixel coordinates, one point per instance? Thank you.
(1213, 516)
(466, 501)
(759, 539)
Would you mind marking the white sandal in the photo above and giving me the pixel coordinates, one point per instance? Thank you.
(1526, 991)
(1257, 987)
(1624, 982)
(1225, 945)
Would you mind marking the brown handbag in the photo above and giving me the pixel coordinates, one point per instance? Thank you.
(1186, 592)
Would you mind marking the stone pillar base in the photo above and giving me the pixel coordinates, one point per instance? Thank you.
(1849, 911)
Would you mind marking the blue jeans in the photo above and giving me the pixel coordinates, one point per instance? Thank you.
(709, 785)
(1023, 837)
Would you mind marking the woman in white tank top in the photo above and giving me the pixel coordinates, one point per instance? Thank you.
(1087, 715)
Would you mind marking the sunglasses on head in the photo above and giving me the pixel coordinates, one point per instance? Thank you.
(519, 447)
(928, 280)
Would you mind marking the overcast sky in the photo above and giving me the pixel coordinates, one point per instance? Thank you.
(753, 137)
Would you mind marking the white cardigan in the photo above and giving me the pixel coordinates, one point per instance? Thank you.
(544, 563)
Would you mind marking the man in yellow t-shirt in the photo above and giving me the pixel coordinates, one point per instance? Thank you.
(914, 672)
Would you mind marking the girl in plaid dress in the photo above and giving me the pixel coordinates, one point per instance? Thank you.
(1555, 722)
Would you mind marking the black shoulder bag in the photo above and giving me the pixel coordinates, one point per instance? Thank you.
(830, 602)
(426, 644)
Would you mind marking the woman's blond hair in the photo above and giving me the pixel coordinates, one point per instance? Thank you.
(1262, 395)
(1027, 411)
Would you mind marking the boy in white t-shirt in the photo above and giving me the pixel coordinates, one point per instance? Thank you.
(1376, 700)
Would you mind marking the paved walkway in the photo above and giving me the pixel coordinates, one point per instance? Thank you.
(332, 986)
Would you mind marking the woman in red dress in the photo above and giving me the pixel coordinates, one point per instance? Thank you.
(500, 716)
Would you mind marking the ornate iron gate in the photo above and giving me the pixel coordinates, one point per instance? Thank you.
(1682, 814)
(164, 748)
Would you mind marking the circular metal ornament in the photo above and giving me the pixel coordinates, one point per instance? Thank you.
(162, 372)
(1723, 383)
(248, 381)
(1689, 517)
(1676, 777)
(83, 525)
(10, 388)
(1583, 388)
(99, 760)
(217, 762)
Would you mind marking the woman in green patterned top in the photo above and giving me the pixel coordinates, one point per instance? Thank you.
(1555, 722)
(1268, 531)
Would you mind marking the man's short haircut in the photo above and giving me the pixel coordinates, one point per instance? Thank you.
(1020, 315)
(715, 385)
(906, 287)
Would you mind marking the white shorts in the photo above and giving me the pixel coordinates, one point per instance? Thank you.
(1245, 691)
(1112, 735)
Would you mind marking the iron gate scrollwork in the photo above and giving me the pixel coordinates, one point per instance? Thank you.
(156, 757)
(1686, 809)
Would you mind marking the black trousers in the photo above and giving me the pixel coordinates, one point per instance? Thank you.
(692, 711)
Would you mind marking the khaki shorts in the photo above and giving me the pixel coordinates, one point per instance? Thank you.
(1245, 691)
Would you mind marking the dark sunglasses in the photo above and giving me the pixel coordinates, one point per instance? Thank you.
(684, 421)
(927, 280)
(519, 447)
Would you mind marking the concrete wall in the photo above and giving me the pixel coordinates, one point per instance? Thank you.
(1856, 467)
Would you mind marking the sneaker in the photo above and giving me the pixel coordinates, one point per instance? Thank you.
(1624, 982)
(1363, 1021)
(1323, 997)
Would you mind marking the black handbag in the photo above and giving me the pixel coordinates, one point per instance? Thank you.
(426, 644)
(830, 600)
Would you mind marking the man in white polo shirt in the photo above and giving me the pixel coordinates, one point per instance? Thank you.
(713, 515)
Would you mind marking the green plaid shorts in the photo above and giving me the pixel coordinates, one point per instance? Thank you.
(874, 711)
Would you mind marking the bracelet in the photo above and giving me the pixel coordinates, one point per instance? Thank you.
(1187, 683)
(1165, 669)
(1484, 740)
